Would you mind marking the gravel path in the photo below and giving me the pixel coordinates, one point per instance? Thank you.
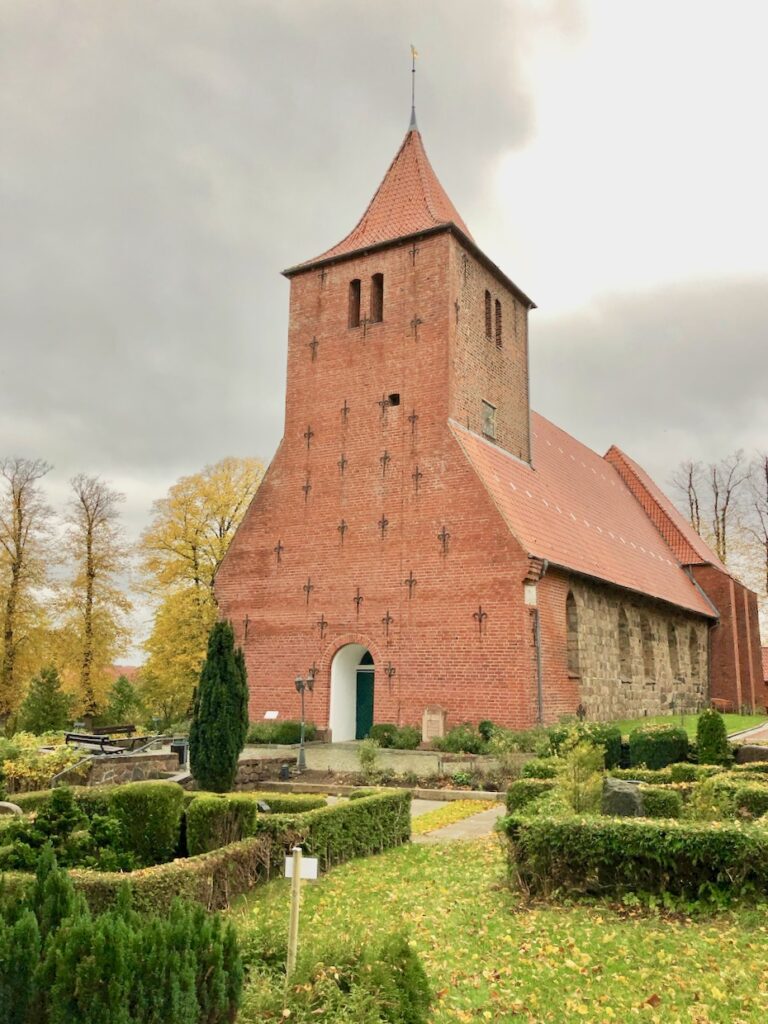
(476, 827)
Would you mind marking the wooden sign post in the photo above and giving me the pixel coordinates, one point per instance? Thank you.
(296, 868)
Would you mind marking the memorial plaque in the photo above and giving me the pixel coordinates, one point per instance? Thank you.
(432, 723)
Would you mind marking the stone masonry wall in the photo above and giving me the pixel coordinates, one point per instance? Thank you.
(655, 677)
(131, 768)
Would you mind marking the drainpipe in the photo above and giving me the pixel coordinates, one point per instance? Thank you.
(537, 646)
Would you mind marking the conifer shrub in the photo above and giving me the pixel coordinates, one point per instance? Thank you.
(150, 816)
(119, 966)
(656, 746)
(661, 803)
(46, 707)
(712, 738)
(220, 715)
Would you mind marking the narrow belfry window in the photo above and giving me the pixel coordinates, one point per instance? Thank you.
(394, 399)
(488, 314)
(674, 654)
(354, 303)
(625, 654)
(693, 651)
(649, 667)
(572, 627)
(489, 419)
(498, 323)
(377, 298)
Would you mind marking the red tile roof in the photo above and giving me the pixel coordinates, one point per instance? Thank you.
(573, 509)
(689, 548)
(409, 199)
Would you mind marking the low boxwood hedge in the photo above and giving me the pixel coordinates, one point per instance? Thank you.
(748, 768)
(150, 815)
(659, 802)
(616, 855)
(661, 777)
(334, 834)
(656, 746)
(541, 768)
(523, 791)
(602, 734)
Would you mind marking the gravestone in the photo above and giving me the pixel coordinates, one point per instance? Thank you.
(622, 799)
(432, 723)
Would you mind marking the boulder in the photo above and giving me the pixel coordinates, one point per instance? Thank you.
(622, 799)
(9, 808)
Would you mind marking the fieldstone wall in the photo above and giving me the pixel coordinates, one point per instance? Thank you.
(633, 656)
(131, 768)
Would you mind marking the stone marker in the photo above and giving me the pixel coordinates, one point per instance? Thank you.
(622, 799)
(432, 723)
(9, 808)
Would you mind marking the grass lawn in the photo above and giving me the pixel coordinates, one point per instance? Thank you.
(491, 957)
(733, 723)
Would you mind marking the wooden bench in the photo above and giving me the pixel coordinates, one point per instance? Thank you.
(100, 743)
(722, 705)
(114, 730)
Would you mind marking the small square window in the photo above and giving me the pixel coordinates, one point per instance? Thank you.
(489, 419)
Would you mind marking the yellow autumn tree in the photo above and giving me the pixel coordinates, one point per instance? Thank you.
(181, 550)
(93, 607)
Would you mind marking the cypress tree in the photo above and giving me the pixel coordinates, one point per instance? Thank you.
(46, 707)
(712, 738)
(219, 717)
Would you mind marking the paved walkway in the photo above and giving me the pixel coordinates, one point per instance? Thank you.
(757, 735)
(476, 827)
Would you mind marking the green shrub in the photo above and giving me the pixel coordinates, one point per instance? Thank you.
(380, 983)
(657, 746)
(122, 966)
(616, 855)
(282, 733)
(749, 768)
(462, 778)
(485, 728)
(581, 778)
(683, 772)
(46, 707)
(368, 753)
(542, 768)
(408, 738)
(524, 791)
(661, 777)
(150, 815)
(661, 803)
(751, 801)
(600, 734)
(712, 800)
(712, 738)
(384, 733)
(462, 739)
(220, 714)
(215, 821)
(519, 741)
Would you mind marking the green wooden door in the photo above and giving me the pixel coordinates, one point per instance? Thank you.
(364, 718)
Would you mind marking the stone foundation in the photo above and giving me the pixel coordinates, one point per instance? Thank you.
(131, 768)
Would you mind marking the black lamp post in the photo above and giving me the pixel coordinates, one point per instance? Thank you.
(301, 686)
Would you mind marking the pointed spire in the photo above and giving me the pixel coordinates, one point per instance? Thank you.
(410, 199)
(413, 127)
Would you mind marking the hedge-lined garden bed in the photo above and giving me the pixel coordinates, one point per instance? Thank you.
(333, 834)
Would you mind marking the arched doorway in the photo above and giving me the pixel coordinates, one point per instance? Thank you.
(352, 689)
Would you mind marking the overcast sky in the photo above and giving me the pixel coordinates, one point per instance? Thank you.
(162, 160)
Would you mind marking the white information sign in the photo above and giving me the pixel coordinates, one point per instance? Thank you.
(308, 868)
(271, 714)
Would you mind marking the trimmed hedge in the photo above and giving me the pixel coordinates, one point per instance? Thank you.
(91, 799)
(712, 738)
(615, 855)
(541, 768)
(749, 768)
(281, 733)
(290, 803)
(150, 814)
(602, 734)
(335, 834)
(661, 803)
(213, 822)
(752, 800)
(660, 777)
(524, 791)
(656, 746)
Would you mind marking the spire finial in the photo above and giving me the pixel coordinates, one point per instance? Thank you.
(414, 54)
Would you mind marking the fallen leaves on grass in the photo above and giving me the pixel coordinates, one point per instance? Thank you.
(451, 812)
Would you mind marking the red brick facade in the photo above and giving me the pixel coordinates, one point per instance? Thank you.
(372, 526)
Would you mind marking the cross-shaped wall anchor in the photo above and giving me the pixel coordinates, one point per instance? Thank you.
(342, 528)
(480, 616)
(308, 587)
(308, 435)
(306, 487)
(410, 583)
(383, 404)
(415, 324)
(385, 459)
(342, 463)
(413, 419)
(416, 476)
(278, 549)
(444, 537)
(364, 324)
(313, 346)
(344, 412)
(383, 524)
(389, 670)
(313, 670)
(387, 622)
(322, 623)
(358, 599)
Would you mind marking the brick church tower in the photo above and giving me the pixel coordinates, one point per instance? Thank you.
(404, 545)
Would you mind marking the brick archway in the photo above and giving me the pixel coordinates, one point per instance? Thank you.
(340, 667)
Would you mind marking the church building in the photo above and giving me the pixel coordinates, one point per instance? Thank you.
(424, 540)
